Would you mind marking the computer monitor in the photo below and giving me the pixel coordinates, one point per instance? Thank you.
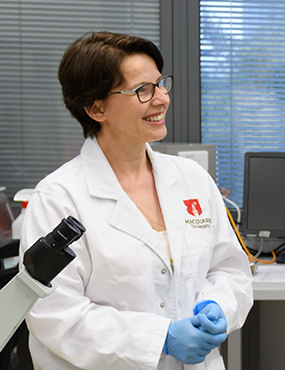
(264, 195)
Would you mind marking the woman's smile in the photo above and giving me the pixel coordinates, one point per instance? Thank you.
(155, 118)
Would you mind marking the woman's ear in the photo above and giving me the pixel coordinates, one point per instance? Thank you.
(96, 111)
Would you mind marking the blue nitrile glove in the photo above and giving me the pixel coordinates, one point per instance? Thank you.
(189, 344)
(210, 317)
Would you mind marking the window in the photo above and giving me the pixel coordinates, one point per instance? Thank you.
(242, 64)
(37, 133)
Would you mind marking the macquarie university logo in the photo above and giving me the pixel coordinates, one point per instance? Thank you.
(194, 209)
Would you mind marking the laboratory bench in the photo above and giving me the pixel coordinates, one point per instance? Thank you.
(259, 345)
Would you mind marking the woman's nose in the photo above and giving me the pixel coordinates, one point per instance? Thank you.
(159, 94)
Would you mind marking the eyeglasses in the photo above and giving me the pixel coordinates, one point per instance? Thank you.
(145, 92)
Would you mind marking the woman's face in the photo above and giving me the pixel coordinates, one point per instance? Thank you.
(127, 120)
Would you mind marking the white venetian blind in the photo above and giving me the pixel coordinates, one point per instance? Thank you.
(37, 133)
(242, 82)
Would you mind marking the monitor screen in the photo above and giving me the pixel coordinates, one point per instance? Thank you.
(264, 195)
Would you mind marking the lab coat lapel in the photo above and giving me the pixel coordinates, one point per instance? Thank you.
(102, 182)
(166, 178)
(128, 218)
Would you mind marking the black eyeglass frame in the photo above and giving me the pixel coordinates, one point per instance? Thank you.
(136, 90)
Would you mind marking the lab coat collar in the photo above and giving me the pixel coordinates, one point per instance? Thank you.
(101, 179)
(168, 173)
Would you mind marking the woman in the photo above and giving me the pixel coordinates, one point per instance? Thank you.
(154, 285)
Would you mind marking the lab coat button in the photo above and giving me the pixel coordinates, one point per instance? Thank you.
(163, 271)
(162, 304)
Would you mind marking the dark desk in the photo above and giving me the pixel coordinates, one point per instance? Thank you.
(268, 285)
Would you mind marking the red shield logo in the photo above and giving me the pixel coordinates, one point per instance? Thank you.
(193, 207)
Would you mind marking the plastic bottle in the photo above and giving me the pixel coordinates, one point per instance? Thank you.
(23, 196)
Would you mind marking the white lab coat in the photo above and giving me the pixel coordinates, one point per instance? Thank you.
(114, 302)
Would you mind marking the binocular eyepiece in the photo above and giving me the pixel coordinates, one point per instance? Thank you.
(68, 231)
(49, 255)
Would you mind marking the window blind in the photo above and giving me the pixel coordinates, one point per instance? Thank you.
(242, 45)
(37, 133)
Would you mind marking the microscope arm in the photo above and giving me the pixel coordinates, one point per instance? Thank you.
(17, 298)
(43, 261)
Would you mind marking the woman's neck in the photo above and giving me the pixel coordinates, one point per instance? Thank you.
(126, 161)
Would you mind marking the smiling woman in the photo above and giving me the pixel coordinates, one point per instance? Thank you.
(148, 288)
(125, 120)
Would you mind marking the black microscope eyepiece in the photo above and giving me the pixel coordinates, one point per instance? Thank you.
(51, 254)
(64, 234)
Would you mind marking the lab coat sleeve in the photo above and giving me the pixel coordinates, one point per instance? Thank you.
(87, 335)
(229, 279)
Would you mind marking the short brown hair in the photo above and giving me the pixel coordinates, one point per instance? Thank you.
(90, 69)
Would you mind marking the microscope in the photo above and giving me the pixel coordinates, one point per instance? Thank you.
(43, 261)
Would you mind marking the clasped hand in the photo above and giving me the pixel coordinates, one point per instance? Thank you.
(192, 339)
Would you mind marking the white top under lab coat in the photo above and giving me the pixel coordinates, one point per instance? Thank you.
(115, 300)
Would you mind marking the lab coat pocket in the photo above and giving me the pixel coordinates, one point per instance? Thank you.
(200, 252)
